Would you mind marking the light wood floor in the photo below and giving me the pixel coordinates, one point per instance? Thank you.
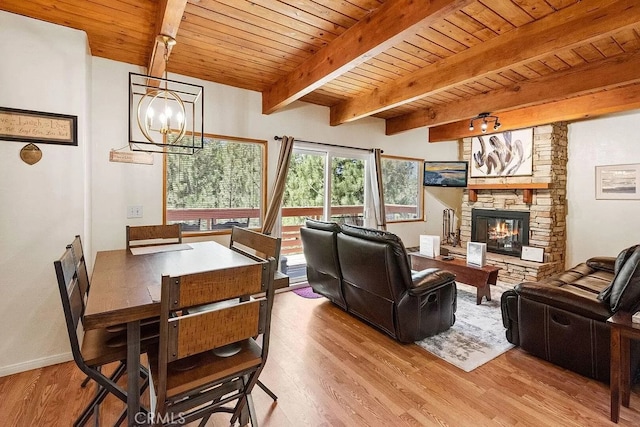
(329, 369)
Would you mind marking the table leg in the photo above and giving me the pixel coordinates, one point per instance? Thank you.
(483, 292)
(133, 371)
(625, 367)
(614, 381)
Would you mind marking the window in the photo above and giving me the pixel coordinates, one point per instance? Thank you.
(220, 186)
(402, 183)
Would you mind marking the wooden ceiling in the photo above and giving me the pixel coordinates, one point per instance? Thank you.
(413, 63)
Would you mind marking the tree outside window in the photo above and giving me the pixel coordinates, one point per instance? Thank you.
(402, 186)
(220, 186)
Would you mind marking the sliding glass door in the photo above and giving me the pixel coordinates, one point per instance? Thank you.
(346, 193)
(324, 184)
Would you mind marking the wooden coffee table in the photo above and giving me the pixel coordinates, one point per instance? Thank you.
(480, 277)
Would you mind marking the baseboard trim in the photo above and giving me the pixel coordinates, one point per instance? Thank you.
(35, 364)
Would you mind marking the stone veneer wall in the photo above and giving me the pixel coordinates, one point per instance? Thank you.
(547, 211)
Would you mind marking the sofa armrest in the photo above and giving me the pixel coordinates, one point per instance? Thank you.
(429, 279)
(510, 317)
(602, 263)
(564, 300)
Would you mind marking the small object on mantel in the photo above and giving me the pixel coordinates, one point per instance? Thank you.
(529, 253)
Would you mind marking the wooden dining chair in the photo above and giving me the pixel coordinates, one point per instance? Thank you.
(246, 241)
(209, 360)
(150, 327)
(94, 352)
(249, 242)
(81, 268)
(150, 235)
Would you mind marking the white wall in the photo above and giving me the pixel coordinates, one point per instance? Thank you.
(600, 227)
(232, 112)
(44, 68)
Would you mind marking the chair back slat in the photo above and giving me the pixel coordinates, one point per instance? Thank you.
(147, 235)
(213, 286)
(223, 326)
(70, 293)
(81, 267)
(263, 245)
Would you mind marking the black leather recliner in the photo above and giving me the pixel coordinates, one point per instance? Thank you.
(319, 240)
(563, 318)
(367, 273)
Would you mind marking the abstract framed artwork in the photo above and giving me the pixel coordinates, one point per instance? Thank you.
(502, 154)
(618, 182)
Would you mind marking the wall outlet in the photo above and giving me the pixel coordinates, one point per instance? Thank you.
(134, 211)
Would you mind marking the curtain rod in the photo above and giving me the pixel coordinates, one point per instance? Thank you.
(278, 138)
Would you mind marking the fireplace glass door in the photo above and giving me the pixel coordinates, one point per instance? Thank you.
(504, 232)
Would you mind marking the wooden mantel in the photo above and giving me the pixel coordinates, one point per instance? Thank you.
(527, 187)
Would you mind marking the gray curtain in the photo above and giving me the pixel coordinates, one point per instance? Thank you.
(286, 148)
(379, 218)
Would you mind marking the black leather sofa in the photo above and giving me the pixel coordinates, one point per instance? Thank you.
(367, 273)
(563, 318)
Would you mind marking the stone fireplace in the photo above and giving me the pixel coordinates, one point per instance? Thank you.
(542, 196)
(504, 232)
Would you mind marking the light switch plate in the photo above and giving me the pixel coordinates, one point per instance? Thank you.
(134, 212)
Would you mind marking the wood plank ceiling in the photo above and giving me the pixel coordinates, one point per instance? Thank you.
(413, 63)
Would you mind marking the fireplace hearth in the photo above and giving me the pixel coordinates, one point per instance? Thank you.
(504, 231)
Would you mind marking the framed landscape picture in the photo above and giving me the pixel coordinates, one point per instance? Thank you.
(618, 182)
(502, 154)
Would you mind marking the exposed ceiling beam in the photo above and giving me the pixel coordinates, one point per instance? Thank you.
(581, 107)
(575, 25)
(608, 73)
(167, 23)
(383, 28)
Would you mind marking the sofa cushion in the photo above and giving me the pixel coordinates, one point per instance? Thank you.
(602, 263)
(625, 288)
(322, 225)
(623, 256)
(574, 290)
(621, 259)
(321, 253)
(376, 235)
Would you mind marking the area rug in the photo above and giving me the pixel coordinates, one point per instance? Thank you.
(477, 335)
(306, 292)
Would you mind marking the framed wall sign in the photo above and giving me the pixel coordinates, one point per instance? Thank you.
(618, 182)
(37, 126)
(502, 154)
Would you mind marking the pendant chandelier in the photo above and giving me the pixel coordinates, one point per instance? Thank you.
(165, 116)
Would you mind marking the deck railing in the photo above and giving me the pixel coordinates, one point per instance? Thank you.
(292, 217)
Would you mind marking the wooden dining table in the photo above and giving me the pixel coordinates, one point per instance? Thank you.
(125, 289)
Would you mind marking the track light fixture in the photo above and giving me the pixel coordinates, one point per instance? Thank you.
(486, 118)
